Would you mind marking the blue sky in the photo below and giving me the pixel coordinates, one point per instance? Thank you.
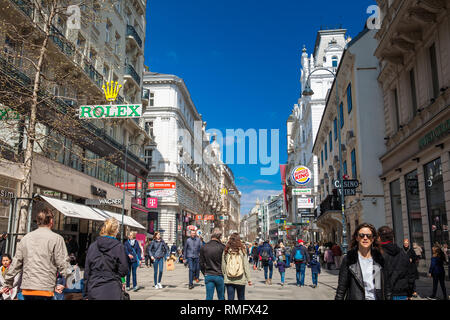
(240, 60)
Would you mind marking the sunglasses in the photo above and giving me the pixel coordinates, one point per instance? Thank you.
(363, 235)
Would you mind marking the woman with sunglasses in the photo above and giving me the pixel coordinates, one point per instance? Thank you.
(361, 276)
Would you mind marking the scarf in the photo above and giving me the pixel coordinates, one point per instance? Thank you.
(132, 242)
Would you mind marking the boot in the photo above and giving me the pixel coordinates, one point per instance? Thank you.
(270, 282)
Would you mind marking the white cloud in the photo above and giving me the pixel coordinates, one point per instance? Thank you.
(263, 182)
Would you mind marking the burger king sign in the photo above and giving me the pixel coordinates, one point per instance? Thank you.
(301, 175)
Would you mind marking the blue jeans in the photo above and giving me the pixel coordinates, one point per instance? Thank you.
(300, 273)
(231, 288)
(288, 260)
(158, 264)
(214, 282)
(268, 266)
(132, 270)
(194, 269)
(315, 277)
(58, 296)
(282, 276)
(399, 297)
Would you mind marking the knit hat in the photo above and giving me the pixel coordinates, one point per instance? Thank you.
(300, 241)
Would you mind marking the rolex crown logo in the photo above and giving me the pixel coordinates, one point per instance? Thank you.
(111, 90)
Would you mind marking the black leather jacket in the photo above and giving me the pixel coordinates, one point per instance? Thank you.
(211, 258)
(351, 284)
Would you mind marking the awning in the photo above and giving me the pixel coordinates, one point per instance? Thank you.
(127, 220)
(74, 210)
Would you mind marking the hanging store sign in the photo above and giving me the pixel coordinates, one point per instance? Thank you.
(302, 192)
(223, 218)
(161, 193)
(8, 114)
(6, 194)
(111, 111)
(348, 184)
(152, 203)
(99, 202)
(301, 175)
(198, 217)
(191, 228)
(305, 203)
(162, 185)
(128, 185)
(208, 217)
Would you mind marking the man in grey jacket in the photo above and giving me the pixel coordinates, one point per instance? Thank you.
(192, 253)
(40, 255)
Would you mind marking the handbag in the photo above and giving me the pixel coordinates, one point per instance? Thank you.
(125, 295)
(170, 265)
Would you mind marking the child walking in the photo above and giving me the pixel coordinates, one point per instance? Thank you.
(281, 265)
(315, 270)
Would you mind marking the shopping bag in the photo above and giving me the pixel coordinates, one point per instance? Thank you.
(170, 265)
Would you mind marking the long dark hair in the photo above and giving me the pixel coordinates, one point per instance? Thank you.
(354, 243)
(235, 244)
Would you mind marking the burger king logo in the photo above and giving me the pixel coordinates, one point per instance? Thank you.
(301, 175)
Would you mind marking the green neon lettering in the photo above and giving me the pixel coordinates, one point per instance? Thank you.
(96, 113)
(85, 110)
(133, 111)
(108, 115)
(121, 111)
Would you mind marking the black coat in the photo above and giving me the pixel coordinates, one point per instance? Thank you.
(413, 259)
(2, 246)
(351, 284)
(106, 264)
(398, 270)
(211, 258)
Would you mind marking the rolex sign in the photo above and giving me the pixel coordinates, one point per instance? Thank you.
(111, 111)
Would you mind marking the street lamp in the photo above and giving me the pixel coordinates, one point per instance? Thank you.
(308, 92)
(125, 178)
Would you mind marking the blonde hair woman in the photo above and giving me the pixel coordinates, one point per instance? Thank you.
(106, 264)
(134, 253)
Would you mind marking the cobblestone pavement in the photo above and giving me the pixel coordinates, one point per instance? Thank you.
(175, 286)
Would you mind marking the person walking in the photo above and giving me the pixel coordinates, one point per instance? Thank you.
(235, 268)
(361, 276)
(267, 260)
(173, 249)
(281, 266)
(158, 252)
(413, 261)
(211, 266)
(287, 255)
(437, 272)
(314, 264)
(146, 256)
(106, 263)
(337, 254)
(40, 255)
(134, 253)
(446, 251)
(255, 255)
(300, 257)
(328, 257)
(261, 243)
(6, 263)
(3, 238)
(191, 256)
(396, 265)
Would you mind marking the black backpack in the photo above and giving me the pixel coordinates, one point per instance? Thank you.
(265, 256)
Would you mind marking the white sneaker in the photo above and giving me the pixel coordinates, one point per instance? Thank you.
(160, 285)
(156, 287)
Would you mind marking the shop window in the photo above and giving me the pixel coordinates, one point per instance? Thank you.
(437, 215)
(414, 210)
(396, 206)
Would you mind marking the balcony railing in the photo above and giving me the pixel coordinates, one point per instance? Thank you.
(26, 7)
(331, 203)
(60, 40)
(129, 70)
(131, 31)
(93, 74)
